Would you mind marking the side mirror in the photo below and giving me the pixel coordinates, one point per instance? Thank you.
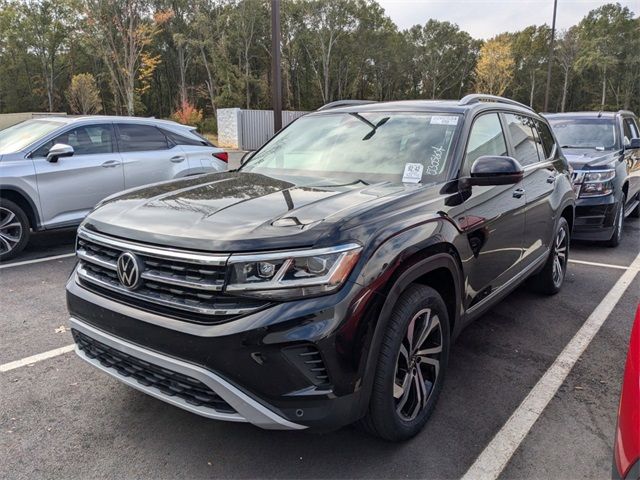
(494, 170)
(246, 157)
(59, 150)
(634, 144)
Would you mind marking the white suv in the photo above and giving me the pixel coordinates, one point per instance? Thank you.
(53, 171)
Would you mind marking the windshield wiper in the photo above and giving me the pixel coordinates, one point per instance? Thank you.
(374, 126)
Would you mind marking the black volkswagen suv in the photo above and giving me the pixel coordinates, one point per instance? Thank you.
(323, 282)
(604, 150)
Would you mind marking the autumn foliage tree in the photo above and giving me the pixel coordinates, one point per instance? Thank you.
(187, 114)
(83, 95)
(495, 66)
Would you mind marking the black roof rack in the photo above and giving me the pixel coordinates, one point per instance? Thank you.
(481, 97)
(344, 103)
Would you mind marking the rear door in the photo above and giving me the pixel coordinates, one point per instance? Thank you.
(494, 216)
(539, 181)
(200, 154)
(72, 186)
(148, 155)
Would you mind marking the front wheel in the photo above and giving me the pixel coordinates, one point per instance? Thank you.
(411, 365)
(550, 279)
(14, 229)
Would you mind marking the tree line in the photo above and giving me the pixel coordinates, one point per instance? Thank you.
(186, 59)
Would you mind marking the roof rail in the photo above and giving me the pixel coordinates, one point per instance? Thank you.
(482, 97)
(344, 103)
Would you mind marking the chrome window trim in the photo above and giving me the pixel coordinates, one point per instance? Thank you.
(159, 252)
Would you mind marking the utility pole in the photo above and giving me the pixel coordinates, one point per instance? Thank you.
(551, 42)
(276, 74)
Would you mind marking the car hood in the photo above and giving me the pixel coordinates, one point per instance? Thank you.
(581, 159)
(236, 211)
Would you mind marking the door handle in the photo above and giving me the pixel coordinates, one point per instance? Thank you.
(177, 159)
(551, 179)
(111, 163)
(518, 192)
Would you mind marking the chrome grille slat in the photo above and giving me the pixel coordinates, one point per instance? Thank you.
(157, 252)
(171, 282)
(159, 298)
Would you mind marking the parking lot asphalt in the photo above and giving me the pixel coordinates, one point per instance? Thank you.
(61, 418)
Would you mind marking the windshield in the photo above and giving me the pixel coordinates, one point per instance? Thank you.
(372, 146)
(17, 137)
(590, 133)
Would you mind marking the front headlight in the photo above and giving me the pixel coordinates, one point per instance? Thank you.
(597, 183)
(293, 274)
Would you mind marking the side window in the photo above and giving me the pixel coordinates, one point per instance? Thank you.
(630, 129)
(85, 140)
(141, 138)
(178, 139)
(486, 138)
(547, 139)
(523, 138)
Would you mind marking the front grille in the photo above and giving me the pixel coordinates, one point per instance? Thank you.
(166, 381)
(184, 285)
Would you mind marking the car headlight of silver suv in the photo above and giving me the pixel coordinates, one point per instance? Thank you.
(595, 184)
(293, 274)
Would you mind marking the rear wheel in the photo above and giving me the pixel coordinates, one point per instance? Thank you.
(411, 365)
(549, 280)
(14, 229)
(616, 236)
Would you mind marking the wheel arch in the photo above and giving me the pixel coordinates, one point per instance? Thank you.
(20, 198)
(434, 266)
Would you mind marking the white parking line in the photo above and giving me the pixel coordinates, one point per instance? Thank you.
(37, 260)
(497, 454)
(36, 358)
(596, 264)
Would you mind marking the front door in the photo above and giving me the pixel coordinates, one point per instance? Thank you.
(526, 137)
(70, 187)
(631, 158)
(493, 218)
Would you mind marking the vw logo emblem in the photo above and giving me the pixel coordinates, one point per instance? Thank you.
(129, 270)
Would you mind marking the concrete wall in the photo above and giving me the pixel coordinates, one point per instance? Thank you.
(9, 119)
(228, 127)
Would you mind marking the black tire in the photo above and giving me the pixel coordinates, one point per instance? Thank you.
(635, 213)
(618, 222)
(549, 280)
(14, 229)
(388, 416)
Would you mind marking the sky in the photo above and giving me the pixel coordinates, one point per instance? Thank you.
(486, 18)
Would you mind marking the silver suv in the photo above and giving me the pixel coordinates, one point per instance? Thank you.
(53, 171)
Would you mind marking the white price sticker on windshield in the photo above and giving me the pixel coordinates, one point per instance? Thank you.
(412, 173)
(444, 120)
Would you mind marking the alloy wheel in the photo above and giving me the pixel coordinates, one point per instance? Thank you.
(10, 230)
(418, 364)
(560, 252)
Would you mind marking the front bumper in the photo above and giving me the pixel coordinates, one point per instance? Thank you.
(595, 218)
(247, 362)
(246, 408)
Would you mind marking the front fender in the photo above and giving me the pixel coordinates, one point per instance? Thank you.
(396, 263)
